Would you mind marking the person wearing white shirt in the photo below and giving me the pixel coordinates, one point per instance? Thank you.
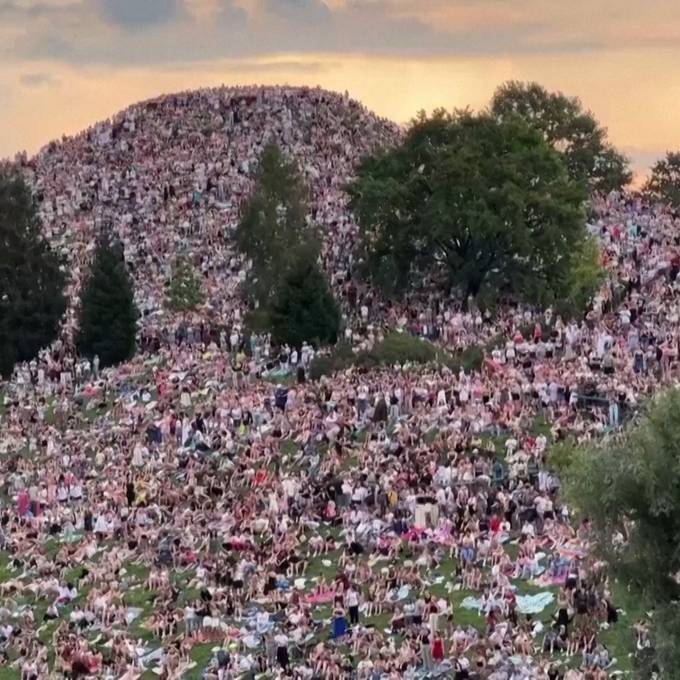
(281, 642)
(352, 603)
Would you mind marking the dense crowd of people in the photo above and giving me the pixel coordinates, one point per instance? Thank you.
(187, 513)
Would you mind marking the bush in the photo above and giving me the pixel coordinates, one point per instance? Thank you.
(561, 456)
(399, 348)
(185, 292)
(339, 359)
(322, 365)
(396, 348)
(257, 321)
(471, 358)
(304, 308)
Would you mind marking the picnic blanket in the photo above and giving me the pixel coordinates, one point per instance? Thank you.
(526, 604)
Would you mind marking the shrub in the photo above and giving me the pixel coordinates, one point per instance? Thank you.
(561, 456)
(400, 348)
(322, 365)
(471, 358)
(396, 348)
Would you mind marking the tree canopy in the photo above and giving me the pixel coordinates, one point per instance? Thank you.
(569, 129)
(108, 316)
(185, 291)
(286, 283)
(664, 182)
(32, 281)
(585, 276)
(631, 488)
(482, 202)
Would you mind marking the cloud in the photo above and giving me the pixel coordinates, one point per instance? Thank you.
(230, 14)
(298, 11)
(36, 79)
(282, 66)
(144, 32)
(138, 14)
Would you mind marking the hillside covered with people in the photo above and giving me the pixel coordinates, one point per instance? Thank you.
(311, 385)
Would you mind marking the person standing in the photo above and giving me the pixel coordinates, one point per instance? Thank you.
(352, 602)
(426, 650)
(281, 640)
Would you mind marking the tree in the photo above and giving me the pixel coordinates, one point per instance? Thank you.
(286, 283)
(664, 182)
(584, 279)
(108, 314)
(568, 128)
(32, 280)
(484, 202)
(630, 487)
(185, 287)
(273, 220)
(304, 308)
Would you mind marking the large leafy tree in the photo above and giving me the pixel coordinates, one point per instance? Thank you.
(108, 316)
(286, 283)
(185, 292)
(664, 182)
(570, 129)
(631, 488)
(304, 308)
(273, 221)
(32, 281)
(484, 202)
(585, 276)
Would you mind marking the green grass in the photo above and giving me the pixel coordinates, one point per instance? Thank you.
(316, 567)
(540, 425)
(202, 655)
(136, 571)
(620, 638)
(139, 597)
(288, 447)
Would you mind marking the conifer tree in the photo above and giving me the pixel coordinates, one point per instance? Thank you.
(273, 222)
(108, 314)
(286, 283)
(32, 281)
(304, 309)
(185, 287)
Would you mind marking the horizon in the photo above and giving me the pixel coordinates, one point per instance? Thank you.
(67, 64)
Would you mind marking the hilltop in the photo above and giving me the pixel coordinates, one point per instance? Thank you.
(168, 175)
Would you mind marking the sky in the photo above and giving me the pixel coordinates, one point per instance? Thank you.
(65, 64)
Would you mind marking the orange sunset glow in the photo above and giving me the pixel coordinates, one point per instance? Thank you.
(67, 63)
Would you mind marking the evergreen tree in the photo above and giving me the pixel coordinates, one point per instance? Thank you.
(32, 282)
(108, 314)
(185, 287)
(286, 283)
(304, 309)
(273, 221)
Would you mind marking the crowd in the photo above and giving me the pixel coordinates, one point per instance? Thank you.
(184, 513)
(168, 177)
